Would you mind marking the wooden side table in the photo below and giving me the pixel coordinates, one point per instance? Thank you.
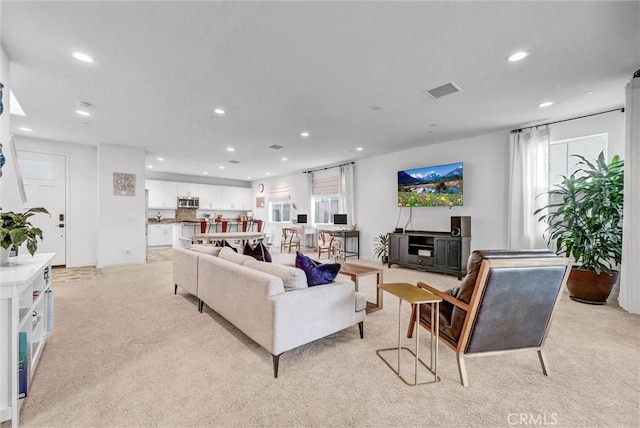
(415, 296)
(355, 271)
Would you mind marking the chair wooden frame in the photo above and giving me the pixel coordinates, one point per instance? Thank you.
(325, 246)
(290, 239)
(474, 306)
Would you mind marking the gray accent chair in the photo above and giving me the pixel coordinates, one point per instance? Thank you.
(505, 303)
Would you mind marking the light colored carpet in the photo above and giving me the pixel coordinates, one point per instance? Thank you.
(126, 351)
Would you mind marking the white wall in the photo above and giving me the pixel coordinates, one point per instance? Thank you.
(485, 159)
(121, 219)
(82, 223)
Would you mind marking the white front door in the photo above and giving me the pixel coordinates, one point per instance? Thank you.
(44, 177)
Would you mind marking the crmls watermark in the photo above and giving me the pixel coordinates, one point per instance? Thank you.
(535, 419)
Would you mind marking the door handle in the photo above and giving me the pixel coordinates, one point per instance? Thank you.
(61, 225)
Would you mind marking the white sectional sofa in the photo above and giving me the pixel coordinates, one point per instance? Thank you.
(270, 303)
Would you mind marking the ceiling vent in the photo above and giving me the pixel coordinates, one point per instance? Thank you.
(276, 147)
(234, 161)
(446, 89)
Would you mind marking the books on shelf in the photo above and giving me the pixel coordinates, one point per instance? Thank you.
(23, 364)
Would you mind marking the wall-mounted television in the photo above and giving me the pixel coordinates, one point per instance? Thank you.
(302, 219)
(431, 186)
(339, 219)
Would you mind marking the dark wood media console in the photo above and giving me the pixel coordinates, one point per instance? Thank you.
(430, 251)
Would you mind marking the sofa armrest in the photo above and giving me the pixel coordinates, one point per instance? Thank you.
(301, 316)
(444, 296)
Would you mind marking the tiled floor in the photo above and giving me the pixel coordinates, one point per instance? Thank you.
(62, 275)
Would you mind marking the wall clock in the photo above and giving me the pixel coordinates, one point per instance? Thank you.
(260, 188)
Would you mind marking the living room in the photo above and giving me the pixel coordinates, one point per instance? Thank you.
(108, 232)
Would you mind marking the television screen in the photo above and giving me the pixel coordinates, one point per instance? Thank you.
(431, 186)
(339, 219)
(302, 219)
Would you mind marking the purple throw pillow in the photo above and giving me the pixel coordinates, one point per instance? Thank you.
(317, 273)
(260, 252)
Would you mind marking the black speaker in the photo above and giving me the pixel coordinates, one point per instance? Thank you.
(461, 226)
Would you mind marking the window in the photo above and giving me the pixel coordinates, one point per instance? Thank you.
(324, 207)
(561, 161)
(279, 211)
(324, 191)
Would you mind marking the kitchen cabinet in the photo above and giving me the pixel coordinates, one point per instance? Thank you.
(160, 235)
(189, 189)
(162, 194)
(236, 198)
(210, 197)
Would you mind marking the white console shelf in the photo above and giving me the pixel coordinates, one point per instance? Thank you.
(26, 308)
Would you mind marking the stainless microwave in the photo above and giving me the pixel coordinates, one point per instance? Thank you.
(188, 202)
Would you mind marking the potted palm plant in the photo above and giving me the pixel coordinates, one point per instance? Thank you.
(15, 229)
(584, 219)
(381, 247)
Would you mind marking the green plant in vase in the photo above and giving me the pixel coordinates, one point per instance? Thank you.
(584, 219)
(381, 247)
(15, 229)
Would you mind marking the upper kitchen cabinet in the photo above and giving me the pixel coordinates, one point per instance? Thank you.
(189, 189)
(210, 197)
(236, 198)
(162, 194)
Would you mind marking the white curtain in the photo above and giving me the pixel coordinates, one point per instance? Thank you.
(312, 216)
(345, 196)
(629, 297)
(528, 184)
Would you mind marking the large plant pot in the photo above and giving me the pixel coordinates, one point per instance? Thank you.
(586, 286)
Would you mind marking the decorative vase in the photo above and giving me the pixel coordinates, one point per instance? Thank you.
(4, 256)
(586, 286)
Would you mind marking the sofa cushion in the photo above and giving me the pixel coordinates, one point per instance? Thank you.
(260, 252)
(317, 273)
(206, 249)
(229, 254)
(292, 278)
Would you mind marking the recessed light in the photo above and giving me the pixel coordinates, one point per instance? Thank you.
(304, 134)
(25, 129)
(83, 113)
(161, 159)
(205, 173)
(545, 104)
(517, 56)
(249, 178)
(589, 93)
(359, 149)
(268, 173)
(219, 111)
(284, 159)
(221, 167)
(150, 166)
(231, 149)
(81, 56)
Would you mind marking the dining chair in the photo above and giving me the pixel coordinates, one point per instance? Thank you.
(325, 243)
(290, 239)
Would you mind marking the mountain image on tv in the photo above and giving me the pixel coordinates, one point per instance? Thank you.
(432, 186)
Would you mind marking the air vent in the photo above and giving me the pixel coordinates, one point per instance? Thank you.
(234, 161)
(446, 89)
(276, 147)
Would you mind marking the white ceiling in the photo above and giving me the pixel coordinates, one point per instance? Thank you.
(353, 74)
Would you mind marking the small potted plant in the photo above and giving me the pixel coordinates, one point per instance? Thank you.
(381, 247)
(15, 229)
(584, 218)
